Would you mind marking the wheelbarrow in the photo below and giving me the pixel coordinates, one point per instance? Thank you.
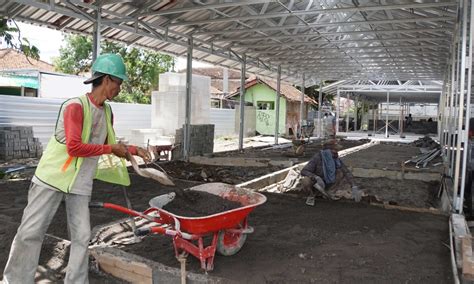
(228, 229)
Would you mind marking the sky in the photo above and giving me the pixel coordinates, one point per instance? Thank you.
(48, 41)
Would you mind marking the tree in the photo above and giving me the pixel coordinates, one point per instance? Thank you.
(143, 66)
(7, 35)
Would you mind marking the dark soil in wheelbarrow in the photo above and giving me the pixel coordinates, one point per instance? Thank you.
(332, 242)
(199, 204)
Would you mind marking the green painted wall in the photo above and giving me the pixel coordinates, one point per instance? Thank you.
(266, 118)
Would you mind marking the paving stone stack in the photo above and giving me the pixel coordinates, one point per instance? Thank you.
(201, 141)
(18, 142)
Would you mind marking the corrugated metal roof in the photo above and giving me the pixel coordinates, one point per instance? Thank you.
(325, 40)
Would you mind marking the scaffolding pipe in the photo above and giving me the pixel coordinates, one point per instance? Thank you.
(96, 35)
(374, 115)
(400, 121)
(320, 103)
(338, 102)
(347, 114)
(277, 107)
(302, 106)
(465, 84)
(455, 92)
(356, 112)
(386, 115)
(242, 102)
(187, 118)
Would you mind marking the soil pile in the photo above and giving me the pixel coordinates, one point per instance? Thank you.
(199, 204)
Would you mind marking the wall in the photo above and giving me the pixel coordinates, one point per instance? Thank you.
(57, 86)
(41, 114)
(168, 104)
(224, 121)
(265, 123)
(250, 119)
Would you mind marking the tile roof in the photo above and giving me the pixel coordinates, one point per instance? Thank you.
(288, 91)
(12, 59)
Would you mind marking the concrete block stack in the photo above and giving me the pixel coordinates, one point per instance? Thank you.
(18, 142)
(201, 141)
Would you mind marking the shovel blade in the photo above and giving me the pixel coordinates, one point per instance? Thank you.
(157, 175)
(162, 200)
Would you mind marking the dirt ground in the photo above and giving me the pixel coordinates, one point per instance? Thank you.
(332, 242)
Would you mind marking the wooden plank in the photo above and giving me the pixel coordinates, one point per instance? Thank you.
(460, 230)
(412, 209)
(467, 259)
(230, 162)
(125, 275)
(122, 268)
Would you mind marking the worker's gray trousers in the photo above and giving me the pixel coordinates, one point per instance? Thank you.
(25, 250)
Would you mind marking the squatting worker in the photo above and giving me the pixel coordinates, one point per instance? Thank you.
(320, 172)
(80, 150)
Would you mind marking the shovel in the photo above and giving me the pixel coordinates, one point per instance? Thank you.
(155, 174)
(162, 200)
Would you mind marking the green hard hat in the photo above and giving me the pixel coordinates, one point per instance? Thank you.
(110, 64)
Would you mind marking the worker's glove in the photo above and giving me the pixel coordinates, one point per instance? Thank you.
(356, 193)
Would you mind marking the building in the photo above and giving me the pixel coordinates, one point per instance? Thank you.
(23, 76)
(261, 93)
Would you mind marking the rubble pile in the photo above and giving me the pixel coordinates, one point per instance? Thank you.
(426, 142)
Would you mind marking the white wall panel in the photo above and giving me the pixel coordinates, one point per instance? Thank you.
(41, 114)
(223, 120)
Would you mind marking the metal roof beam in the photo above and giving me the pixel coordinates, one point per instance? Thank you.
(418, 47)
(318, 11)
(306, 35)
(363, 55)
(203, 7)
(343, 41)
(328, 24)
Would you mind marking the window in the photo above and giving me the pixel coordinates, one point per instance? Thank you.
(266, 105)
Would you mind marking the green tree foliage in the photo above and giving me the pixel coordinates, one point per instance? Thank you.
(313, 92)
(8, 28)
(143, 66)
(76, 56)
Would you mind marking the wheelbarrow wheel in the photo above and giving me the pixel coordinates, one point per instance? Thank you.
(229, 243)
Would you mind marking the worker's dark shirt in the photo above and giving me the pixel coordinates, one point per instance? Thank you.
(315, 168)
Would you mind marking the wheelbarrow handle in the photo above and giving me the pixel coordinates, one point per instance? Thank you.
(96, 204)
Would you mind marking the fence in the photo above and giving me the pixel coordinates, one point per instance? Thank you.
(41, 114)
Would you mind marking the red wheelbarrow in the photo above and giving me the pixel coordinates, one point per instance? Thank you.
(229, 229)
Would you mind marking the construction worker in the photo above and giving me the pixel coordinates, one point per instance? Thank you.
(83, 147)
(320, 173)
(330, 125)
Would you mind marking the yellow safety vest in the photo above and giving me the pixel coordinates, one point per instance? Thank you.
(59, 170)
